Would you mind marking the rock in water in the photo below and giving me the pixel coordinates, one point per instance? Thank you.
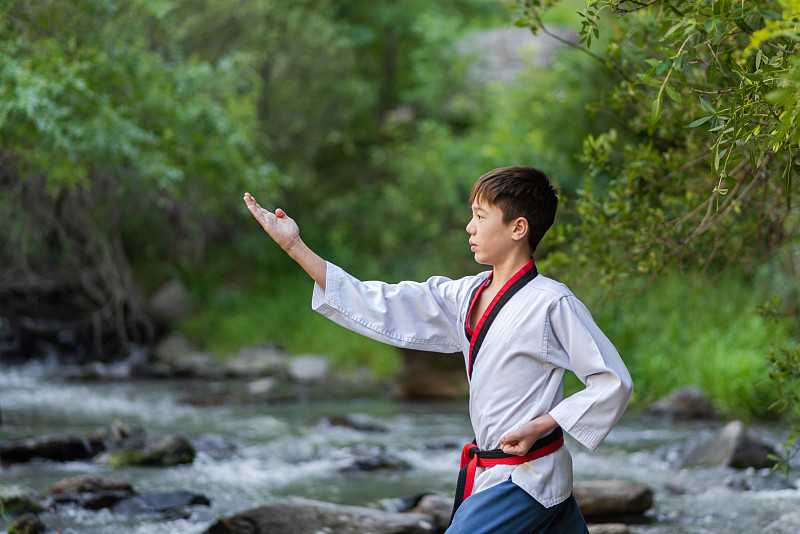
(52, 447)
(27, 524)
(304, 516)
(159, 503)
(16, 499)
(733, 446)
(92, 492)
(612, 498)
(609, 528)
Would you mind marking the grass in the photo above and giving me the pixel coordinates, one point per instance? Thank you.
(692, 330)
(277, 307)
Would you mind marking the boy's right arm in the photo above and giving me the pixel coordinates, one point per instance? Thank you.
(285, 232)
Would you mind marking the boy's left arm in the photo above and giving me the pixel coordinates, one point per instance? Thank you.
(576, 343)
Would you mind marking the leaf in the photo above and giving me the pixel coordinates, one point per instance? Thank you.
(675, 27)
(673, 94)
(708, 106)
(698, 122)
(656, 109)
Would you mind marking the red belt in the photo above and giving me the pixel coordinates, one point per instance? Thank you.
(472, 458)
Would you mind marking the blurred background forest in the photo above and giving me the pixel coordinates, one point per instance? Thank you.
(129, 132)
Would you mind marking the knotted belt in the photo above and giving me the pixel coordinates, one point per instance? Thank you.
(472, 458)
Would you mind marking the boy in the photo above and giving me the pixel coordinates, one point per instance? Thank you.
(518, 332)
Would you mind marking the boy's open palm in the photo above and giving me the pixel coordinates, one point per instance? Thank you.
(281, 228)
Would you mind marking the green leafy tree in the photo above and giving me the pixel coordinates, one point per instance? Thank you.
(113, 146)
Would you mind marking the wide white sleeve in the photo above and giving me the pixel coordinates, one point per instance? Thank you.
(417, 315)
(579, 345)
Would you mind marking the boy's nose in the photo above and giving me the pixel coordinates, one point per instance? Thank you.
(469, 227)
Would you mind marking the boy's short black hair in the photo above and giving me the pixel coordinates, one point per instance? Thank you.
(520, 192)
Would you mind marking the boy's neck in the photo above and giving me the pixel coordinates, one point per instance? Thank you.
(503, 272)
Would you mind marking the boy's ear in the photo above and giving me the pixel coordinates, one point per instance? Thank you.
(519, 228)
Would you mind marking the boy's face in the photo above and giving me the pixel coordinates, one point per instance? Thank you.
(492, 240)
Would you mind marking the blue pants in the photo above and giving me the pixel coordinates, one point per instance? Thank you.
(508, 509)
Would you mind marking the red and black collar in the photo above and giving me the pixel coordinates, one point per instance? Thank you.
(520, 278)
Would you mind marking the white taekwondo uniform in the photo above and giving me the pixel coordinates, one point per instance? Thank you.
(517, 373)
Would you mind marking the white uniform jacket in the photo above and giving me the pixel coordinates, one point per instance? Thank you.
(517, 374)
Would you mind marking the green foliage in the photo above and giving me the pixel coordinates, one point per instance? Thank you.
(701, 165)
(539, 120)
(694, 329)
(103, 114)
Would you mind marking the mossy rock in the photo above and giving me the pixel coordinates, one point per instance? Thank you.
(16, 500)
(126, 458)
(167, 451)
(27, 524)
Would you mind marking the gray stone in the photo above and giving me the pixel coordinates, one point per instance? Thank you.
(169, 304)
(308, 368)
(261, 386)
(373, 458)
(172, 348)
(257, 361)
(437, 507)
(609, 528)
(304, 516)
(612, 498)
(733, 446)
(685, 404)
(88, 484)
(56, 447)
(356, 421)
(165, 502)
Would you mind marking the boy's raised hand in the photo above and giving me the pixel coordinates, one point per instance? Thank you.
(281, 228)
(284, 231)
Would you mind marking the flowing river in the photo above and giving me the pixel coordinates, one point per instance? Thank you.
(291, 449)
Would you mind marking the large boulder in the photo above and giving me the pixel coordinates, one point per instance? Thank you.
(733, 446)
(428, 375)
(169, 304)
(304, 516)
(604, 499)
(685, 404)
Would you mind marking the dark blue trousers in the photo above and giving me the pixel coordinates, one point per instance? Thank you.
(508, 509)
